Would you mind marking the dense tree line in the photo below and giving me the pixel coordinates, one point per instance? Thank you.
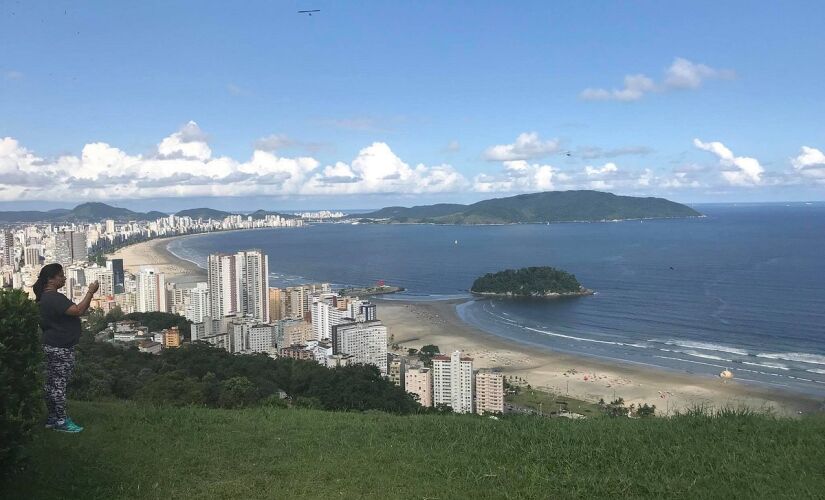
(200, 374)
(528, 281)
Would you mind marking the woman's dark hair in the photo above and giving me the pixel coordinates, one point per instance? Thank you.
(48, 272)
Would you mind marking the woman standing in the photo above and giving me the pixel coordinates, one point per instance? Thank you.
(60, 322)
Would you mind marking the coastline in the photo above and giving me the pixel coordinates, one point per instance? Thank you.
(154, 254)
(413, 324)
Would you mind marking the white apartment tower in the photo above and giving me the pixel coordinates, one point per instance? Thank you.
(365, 341)
(453, 382)
(223, 286)
(325, 315)
(253, 289)
(151, 291)
(238, 285)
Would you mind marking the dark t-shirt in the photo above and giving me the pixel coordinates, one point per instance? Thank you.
(59, 329)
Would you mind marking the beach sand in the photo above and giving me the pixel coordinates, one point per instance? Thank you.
(153, 254)
(415, 324)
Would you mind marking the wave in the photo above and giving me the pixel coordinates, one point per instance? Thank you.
(777, 366)
(705, 356)
(689, 361)
(705, 346)
(802, 357)
(816, 370)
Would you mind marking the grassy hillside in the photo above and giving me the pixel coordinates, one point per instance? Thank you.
(133, 451)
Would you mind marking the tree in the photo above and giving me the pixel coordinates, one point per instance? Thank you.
(426, 354)
(20, 399)
(616, 408)
(646, 411)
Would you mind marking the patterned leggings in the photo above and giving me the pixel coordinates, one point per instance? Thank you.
(59, 365)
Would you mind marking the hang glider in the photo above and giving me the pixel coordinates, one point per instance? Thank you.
(309, 12)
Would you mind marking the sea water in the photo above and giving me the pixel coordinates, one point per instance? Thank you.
(741, 288)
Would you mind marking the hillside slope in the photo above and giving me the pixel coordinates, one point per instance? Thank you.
(162, 452)
(550, 206)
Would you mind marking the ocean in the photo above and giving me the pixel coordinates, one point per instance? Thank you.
(740, 289)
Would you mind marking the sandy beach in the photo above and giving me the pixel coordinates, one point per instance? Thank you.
(153, 254)
(415, 324)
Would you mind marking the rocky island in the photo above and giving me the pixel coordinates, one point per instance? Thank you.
(542, 281)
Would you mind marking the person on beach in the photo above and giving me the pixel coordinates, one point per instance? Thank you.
(60, 322)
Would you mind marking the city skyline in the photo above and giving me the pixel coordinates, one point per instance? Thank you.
(427, 105)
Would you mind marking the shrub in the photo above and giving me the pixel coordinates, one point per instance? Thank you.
(21, 404)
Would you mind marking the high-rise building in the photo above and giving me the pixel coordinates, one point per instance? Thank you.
(118, 275)
(198, 303)
(110, 227)
(31, 256)
(223, 285)
(397, 369)
(277, 303)
(367, 310)
(365, 341)
(326, 314)
(253, 289)
(489, 389)
(293, 331)
(453, 382)
(70, 246)
(8, 258)
(151, 291)
(238, 284)
(420, 381)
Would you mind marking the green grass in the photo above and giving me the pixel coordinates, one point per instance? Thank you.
(134, 451)
(547, 403)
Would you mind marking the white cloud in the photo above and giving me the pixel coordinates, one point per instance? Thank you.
(810, 163)
(518, 176)
(527, 146)
(737, 170)
(184, 166)
(635, 87)
(274, 142)
(593, 152)
(377, 169)
(682, 74)
(188, 142)
(606, 169)
(237, 90)
(453, 147)
(13, 75)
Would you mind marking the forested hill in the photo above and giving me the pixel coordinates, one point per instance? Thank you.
(550, 206)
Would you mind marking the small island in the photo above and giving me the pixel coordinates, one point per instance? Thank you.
(542, 281)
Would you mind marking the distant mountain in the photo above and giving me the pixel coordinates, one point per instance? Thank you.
(422, 211)
(85, 212)
(32, 215)
(203, 213)
(550, 206)
(99, 211)
(96, 212)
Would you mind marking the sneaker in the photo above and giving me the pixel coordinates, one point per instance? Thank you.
(67, 426)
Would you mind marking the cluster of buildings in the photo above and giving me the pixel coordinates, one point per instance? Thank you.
(452, 382)
(235, 308)
(24, 248)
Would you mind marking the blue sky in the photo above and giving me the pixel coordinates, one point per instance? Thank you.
(375, 103)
